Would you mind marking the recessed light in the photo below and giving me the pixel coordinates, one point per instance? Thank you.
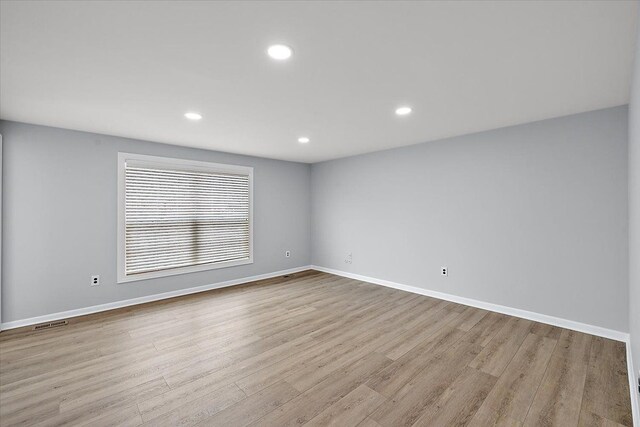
(403, 111)
(279, 52)
(193, 116)
(303, 140)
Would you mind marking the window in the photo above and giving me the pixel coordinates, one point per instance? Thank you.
(178, 216)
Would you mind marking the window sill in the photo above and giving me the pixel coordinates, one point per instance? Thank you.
(181, 270)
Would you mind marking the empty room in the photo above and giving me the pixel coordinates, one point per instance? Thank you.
(320, 213)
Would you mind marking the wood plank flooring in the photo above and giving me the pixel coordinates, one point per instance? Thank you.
(311, 349)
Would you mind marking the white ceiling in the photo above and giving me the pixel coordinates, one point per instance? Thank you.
(134, 68)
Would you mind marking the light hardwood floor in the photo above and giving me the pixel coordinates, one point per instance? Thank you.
(312, 349)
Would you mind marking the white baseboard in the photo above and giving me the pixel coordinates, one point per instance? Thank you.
(141, 300)
(543, 318)
(633, 387)
(516, 312)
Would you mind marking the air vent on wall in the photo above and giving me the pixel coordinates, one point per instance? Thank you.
(50, 325)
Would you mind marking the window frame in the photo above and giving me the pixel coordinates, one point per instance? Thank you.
(178, 164)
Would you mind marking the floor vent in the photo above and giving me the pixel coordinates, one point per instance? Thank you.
(50, 325)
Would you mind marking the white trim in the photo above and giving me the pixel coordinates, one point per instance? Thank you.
(537, 317)
(141, 300)
(530, 315)
(556, 321)
(0, 232)
(633, 386)
(183, 164)
(181, 270)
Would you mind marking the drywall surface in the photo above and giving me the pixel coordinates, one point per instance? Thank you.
(634, 213)
(60, 219)
(532, 216)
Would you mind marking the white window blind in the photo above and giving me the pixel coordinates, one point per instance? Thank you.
(179, 217)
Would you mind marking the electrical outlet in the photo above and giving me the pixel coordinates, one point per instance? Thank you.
(349, 258)
(287, 254)
(444, 271)
(95, 280)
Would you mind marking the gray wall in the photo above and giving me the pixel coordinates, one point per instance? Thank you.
(59, 224)
(531, 216)
(634, 212)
